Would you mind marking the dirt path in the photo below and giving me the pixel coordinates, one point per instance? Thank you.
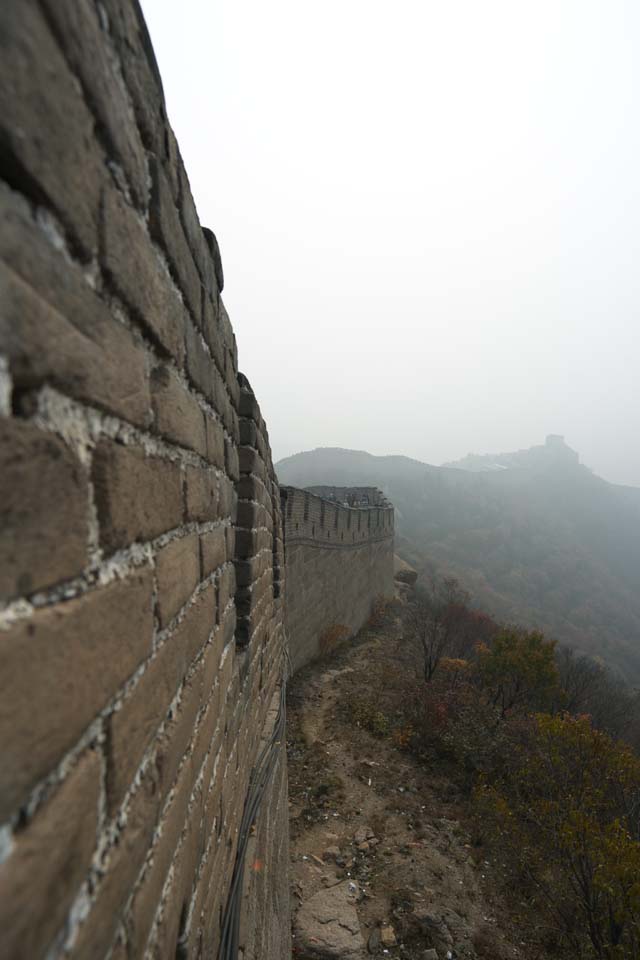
(380, 862)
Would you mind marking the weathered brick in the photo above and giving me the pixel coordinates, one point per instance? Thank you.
(251, 514)
(133, 726)
(226, 409)
(229, 338)
(48, 862)
(40, 104)
(211, 330)
(122, 865)
(59, 669)
(234, 393)
(226, 586)
(137, 497)
(178, 416)
(231, 541)
(147, 896)
(140, 70)
(214, 894)
(251, 462)
(166, 228)
(251, 542)
(180, 890)
(194, 234)
(213, 781)
(227, 505)
(202, 494)
(215, 441)
(139, 276)
(76, 25)
(213, 550)
(43, 510)
(212, 243)
(248, 405)
(249, 570)
(250, 487)
(178, 573)
(249, 597)
(248, 432)
(54, 328)
(176, 737)
(200, 367)
(234, 459)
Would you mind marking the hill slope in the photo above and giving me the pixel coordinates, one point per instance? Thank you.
(534, 535)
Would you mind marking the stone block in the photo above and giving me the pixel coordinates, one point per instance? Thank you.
(202, 494)
(211, 330)
(226, 583)
(215, 441)
(78, 31)
(214, 249)
(200, 367)
(47, 129)
(140, 71)
(178, 574)
(58, 669)
(134, 725)
(137, 497)
(194, 235)
(55, 329)
(166, 229)
(122, 864)
(251, 514)
(147, 897)
(48, 863)
(43, 510)
(213, 550)
(178, 416)
(139, 277)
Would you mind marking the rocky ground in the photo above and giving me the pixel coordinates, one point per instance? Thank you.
(382, 863)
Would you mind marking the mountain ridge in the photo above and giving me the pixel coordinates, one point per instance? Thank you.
(543, 541)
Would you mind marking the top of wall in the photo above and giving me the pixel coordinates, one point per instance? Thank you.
(351, 496)
(323, 516)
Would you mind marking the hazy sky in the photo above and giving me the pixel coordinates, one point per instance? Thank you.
(429, 215)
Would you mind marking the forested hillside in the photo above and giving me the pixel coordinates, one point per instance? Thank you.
(535, 536)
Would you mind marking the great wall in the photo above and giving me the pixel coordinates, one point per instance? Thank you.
(157, 584)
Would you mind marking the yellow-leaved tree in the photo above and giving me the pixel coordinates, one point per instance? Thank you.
(569, 809)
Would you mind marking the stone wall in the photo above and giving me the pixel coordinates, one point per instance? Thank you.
(141, 640)
(339, 561)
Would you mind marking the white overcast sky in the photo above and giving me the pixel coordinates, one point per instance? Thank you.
(429, 215)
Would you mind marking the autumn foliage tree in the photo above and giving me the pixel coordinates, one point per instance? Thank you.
(561, 787)
(518, 670)
(569, 810)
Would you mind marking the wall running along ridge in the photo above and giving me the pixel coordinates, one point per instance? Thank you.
(142, 563)
(339, 562)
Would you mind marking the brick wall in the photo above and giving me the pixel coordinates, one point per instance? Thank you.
(339, 560)
(141, 629)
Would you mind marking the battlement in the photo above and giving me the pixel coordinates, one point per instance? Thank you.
(339, 561)
(335, 516)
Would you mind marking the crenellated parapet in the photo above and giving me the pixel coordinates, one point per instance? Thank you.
(339, 561)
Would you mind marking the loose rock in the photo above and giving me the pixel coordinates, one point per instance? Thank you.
(388, 936)
(326, 925)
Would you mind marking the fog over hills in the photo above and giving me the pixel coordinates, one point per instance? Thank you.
(534, 535)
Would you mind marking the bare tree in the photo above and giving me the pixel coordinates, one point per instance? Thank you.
(435, 621)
